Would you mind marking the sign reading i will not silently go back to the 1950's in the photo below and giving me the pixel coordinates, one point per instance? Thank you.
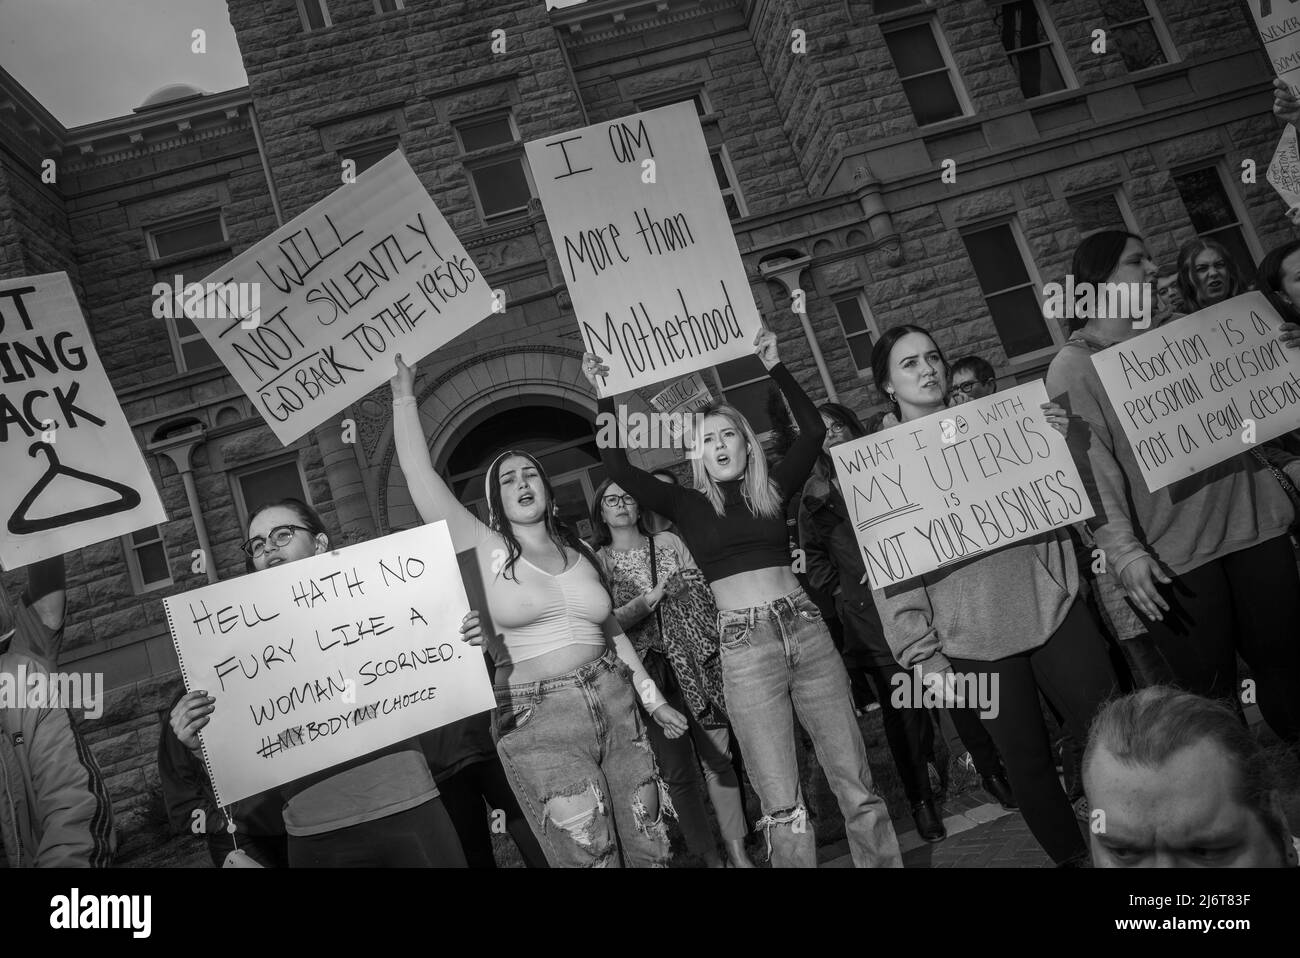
(370, 271)
(646, 246)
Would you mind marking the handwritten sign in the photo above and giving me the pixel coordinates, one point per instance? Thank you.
(1284, 168)
(1279, 29)
(71, 473)
(646, 246)
(946, 488)
(326, 659)
(1203, 388)
(370, 271)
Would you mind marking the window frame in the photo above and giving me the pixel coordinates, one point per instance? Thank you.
(380, 11)
(1121, 201)
(1053, 41)
(872, 331)
(668, 97)
(198, 252)
(471, 160)
(1243, 222)
(325, 15)
(366, 146)
(721, 389)
(1163, 37)
(134, 569)
(927, 16)
(733, 190)
(264, 465)
(1035, 282)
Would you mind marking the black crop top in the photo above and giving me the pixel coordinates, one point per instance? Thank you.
(737, 541)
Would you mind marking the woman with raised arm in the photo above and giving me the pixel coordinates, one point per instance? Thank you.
(778, 660)
(568, 728)
(1008, 620)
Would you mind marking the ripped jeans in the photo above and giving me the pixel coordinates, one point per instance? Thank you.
(580, 762)
(778, 662)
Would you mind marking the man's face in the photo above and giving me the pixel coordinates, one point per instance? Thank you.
(1182, 814)
(1171, 298)
(966, 387)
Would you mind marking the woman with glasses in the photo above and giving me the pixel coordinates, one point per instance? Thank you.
(778, 660)
(665, 606)
(569, 731)
(379, 810)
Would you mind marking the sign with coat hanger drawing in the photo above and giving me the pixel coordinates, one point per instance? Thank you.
(71, 473)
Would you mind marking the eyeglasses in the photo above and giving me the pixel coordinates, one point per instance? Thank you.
(280, 537)
(615, 501)
(966, 387)
(837, 427)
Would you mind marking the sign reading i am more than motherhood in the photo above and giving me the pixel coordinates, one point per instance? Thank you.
(370, 271)
(326, 659)
(946, 488)
(646, 246)
(71, 473)
(1203, 388)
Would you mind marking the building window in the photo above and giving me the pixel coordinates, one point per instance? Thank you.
(1215, 215)
(314, 14)
(1137, 33)
(366, 155)
(891, 6)
(1031, 46)
(744, 384)
(389, 6)
(496, 174)
(1093, 212)
(146, 560)
(860, 330)
(924, 65)
(265, 484)
(197, 235)
(731, 197)
(664, 99)
(185, 236)
(1002, 268)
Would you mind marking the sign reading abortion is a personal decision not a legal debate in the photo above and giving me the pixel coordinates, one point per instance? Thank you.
(319, 661)
(946, 488)
(370, 271)
(71, 473)
(1203, 388)
(646, 246)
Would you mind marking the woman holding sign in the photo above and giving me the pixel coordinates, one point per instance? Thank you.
(1013, 614)
(568, 729)
(778, 659)
(1206, 560)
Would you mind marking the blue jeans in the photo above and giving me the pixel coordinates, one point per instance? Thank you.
(581, 764)
(778, 661)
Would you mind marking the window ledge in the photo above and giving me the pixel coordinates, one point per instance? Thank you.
(200, 252)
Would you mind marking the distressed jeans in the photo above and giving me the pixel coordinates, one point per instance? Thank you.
(581, 764)
(778, 662)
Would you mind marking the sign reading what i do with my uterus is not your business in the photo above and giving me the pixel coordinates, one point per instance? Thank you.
(1203, 388)
(370, 271)
(71, 473)
(961, 482)
(326, 659)
(646, 246)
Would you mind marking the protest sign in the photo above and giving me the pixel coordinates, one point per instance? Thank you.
(950, 486)
(71, 473)
(326, 659)
(1203, 388)
(681, 398)
(1284, 168)
(646, 246)
(1279, 29)
(370, 271)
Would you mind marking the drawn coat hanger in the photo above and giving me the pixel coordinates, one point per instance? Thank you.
(20, 525)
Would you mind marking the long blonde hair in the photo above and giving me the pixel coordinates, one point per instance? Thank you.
(760, 491)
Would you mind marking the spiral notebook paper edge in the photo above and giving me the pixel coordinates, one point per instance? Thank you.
(185, 678)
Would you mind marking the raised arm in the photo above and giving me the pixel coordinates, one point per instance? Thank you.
(793, 471)
(432, 497)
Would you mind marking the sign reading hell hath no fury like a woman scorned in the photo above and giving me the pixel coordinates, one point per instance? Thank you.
(646, 246)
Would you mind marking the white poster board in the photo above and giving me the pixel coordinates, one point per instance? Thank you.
(370, 271)
(1284, 168)
(943, 489)
(326, 659)
(1279, 29)
(646, 246)
(71, 473)
(1203, 388)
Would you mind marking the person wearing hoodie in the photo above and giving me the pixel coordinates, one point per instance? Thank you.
(1013, 614)
(1206, 561)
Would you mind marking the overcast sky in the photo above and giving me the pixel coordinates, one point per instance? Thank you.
(89, 60)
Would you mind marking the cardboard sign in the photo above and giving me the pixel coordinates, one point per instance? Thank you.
(944, 489)
(1203, 388)
(682, 397)
(370, 271)
(71, 473)
(329, 658)
(646, 246)
(1284, 168)
(1279, 29)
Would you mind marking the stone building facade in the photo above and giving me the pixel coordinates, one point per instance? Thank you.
(832, 124)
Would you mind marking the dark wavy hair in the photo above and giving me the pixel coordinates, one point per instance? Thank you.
(602, 536)
(885, 346)
(1187, 263)
(1268, 280)
(1094, 260)
(308, 518)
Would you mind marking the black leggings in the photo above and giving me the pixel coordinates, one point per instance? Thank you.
(465, 794)
(420, 837)
(1246, 602)
(1072, 669)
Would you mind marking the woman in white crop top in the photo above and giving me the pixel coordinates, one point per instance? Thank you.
(569, 731)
